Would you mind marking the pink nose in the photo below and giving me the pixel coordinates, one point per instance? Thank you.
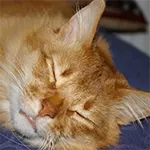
(48, 109)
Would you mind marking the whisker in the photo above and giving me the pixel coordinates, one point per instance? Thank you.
(44, 144)
(21, 74)
(49, 144)
(10, 139)
(134, 114)
(63, 144)
(4, 83)
(14, 77)
(53, 145)
(50, 147)
(21, 142)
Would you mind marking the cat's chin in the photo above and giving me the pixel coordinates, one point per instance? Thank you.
(34, 142)
(27, 133)
(23, 126)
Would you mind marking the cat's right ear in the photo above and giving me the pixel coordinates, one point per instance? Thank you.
(82, 27)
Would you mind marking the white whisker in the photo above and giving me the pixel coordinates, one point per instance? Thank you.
(63, 144)
(21, 74)
(134, 113)
(21, 142)
(10, 139)
(14, 77)
(44, 143)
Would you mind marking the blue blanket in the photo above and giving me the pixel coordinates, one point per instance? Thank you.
(135, 66)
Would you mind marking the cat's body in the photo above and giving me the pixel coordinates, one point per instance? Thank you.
(56, 83)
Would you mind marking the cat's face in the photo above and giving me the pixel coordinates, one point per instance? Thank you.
(69, 91)
(61, 96)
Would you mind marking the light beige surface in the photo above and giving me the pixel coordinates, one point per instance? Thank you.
(140, 40)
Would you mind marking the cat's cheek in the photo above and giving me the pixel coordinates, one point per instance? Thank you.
(43, 125)
(22, 125)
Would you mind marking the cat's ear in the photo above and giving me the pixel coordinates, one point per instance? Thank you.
(134, 105)
(83, 25)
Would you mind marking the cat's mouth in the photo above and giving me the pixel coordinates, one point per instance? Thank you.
(31, 120)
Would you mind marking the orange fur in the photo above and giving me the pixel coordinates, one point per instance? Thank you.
(67, 81)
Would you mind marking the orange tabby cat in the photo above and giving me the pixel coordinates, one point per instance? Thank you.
(58, 86)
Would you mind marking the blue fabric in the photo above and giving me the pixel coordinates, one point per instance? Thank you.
(135, 66)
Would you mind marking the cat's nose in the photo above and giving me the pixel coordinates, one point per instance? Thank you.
(48, 109)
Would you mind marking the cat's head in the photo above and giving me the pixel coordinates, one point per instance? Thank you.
(69, 91)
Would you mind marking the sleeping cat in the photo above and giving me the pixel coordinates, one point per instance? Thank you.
(58, 85)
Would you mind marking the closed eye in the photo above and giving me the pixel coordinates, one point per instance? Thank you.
(66, 73)
(82, 119)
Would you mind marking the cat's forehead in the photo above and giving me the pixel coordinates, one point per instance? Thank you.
(65, 60)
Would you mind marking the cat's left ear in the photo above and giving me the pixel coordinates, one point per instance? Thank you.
(133, 106)
(82, 26)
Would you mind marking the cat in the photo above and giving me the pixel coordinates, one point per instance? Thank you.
(59, 87)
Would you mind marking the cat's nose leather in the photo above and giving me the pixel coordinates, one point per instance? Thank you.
(51, 106)
(48, 109)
